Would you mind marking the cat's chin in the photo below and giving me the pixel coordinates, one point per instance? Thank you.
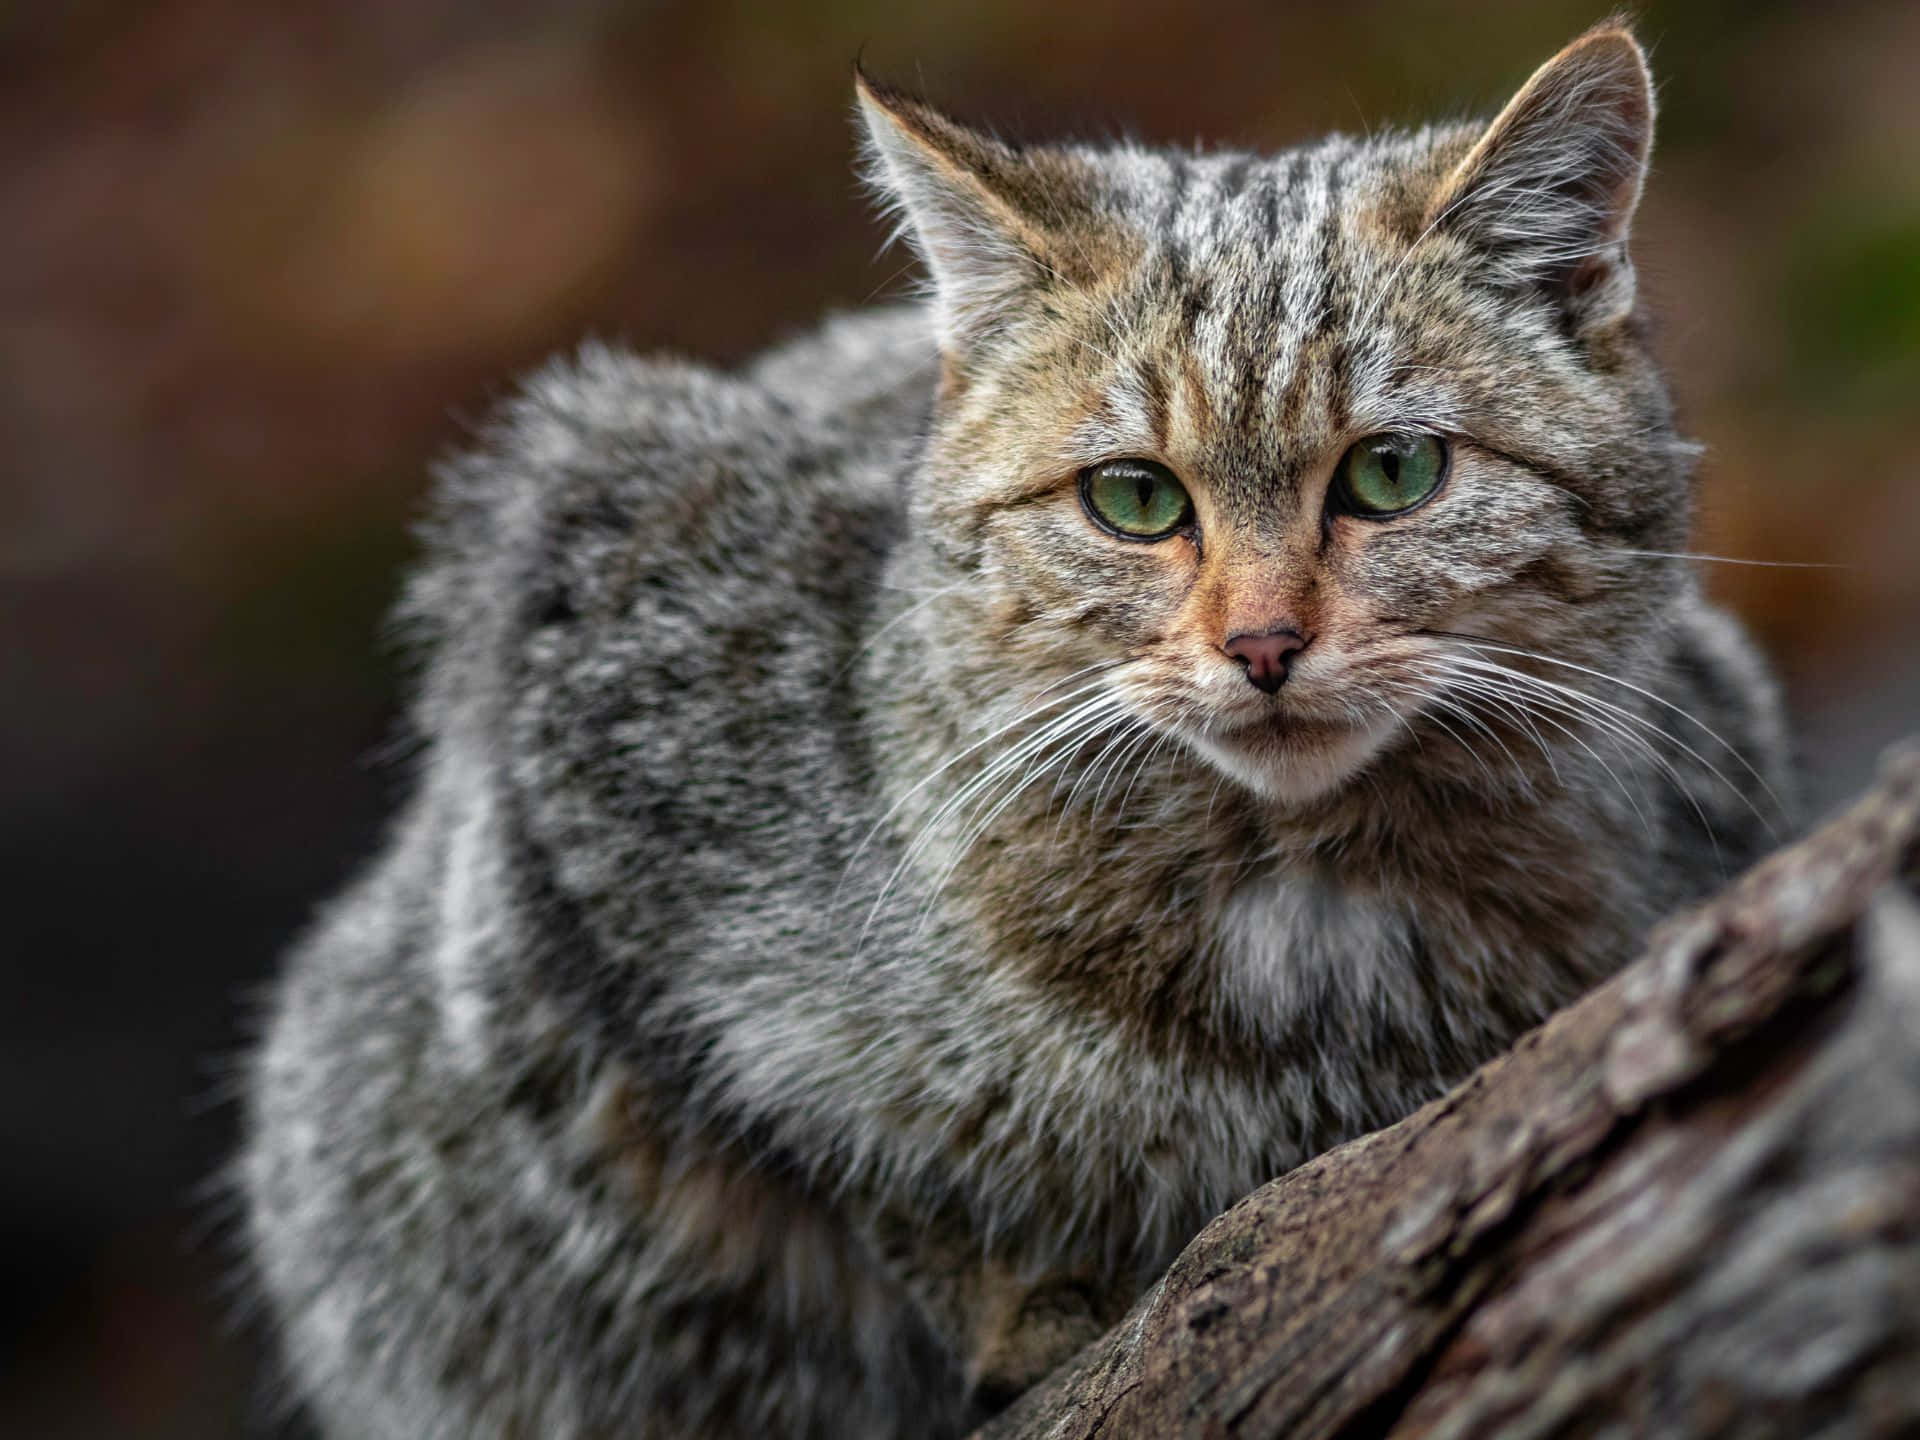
(1294, 763)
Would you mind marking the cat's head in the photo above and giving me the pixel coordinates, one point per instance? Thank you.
(1253, 440)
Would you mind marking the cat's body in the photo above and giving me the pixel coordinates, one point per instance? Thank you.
(818, 981)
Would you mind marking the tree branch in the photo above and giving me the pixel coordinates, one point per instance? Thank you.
(1688, 1204)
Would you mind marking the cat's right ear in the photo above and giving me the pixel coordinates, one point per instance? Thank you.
(990, 221)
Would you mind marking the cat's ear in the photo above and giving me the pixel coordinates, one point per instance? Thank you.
(993, 223)
(1548, 192)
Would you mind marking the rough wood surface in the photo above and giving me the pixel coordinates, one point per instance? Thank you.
(1687, 1205)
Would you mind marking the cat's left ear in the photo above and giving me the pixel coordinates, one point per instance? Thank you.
(1548, 192)
(996, 225)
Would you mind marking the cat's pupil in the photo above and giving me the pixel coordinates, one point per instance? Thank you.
(1390, 466)
(1143, 487)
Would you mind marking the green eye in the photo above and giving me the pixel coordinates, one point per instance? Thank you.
(1135, 499)
(1385, 474)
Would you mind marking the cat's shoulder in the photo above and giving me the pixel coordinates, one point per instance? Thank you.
(1725, 684)
(1720, 721)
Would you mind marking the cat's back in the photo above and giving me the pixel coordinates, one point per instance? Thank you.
(610, 467)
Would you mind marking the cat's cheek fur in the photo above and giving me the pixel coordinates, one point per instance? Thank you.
(1487, 524)
(1101, 599)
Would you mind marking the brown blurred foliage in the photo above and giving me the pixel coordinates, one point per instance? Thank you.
(261, 262)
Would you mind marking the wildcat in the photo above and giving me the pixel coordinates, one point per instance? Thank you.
(909, 831)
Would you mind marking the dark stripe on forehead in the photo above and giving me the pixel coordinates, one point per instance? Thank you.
(1153, 386)
(1194, 298)
(1255, 333)
(1195, 383)
(1261, 311)
(1321, 313)
(1233, 178)
(1295, 187)
(1178, 183)
(1279, 183)
(1320, 317)
(1293, 396)
(1335, 290)
(1171, 243)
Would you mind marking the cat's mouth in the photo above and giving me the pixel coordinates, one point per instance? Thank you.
(1292, 756)
(1281, 729)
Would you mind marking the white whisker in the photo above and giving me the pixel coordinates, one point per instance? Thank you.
(1612, 774)
(1063, 739)
(1617, 719)
(1535, 693)
(1657, 699)
(908, 613)
(1731, 559)
(1031, 712)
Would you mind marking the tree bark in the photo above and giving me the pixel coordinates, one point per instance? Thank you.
(1689, 1204)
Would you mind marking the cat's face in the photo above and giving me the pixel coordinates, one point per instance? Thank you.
(1254, 440)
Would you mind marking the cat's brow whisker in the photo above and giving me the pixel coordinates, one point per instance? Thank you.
(1479, 195)
(895, 274)
(1393, 276)
(1104, 354)
(1113, 331)
(1731, 559)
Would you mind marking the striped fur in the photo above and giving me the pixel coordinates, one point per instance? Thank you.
(854, 922)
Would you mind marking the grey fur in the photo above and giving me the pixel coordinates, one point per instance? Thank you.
(682, 1067)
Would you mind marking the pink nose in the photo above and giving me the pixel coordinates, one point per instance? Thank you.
(1267, 657)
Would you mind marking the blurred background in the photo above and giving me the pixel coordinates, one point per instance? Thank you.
(260, 263)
